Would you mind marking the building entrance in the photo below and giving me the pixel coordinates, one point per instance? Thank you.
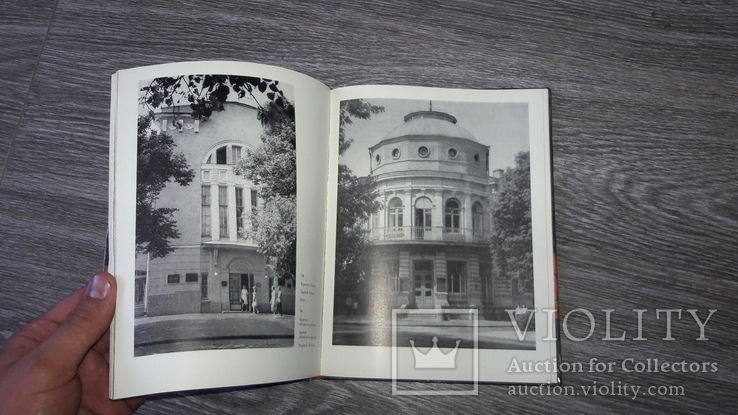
(236, 282)
(423, 283)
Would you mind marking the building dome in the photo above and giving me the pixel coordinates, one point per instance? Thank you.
(429, 123)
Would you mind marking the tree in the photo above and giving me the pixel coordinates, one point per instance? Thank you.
(272, 167)
(356, 202)
(274, 229)
(512, 246)
(158, 165)
(208, 93)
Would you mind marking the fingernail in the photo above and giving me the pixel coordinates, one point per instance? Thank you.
(99, 287)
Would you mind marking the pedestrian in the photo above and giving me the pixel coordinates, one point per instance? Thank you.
(524, 314)
(356, 307)
(519, 313)
(254, 308)
(244, 299)
(273, 301)
(279, 300)
(349, 305)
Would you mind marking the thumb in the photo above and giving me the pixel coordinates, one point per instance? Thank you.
(84, 325)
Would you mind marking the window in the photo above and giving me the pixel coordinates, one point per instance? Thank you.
(395, 213)
(235, 154)
(140, 291)
(393, 275)
(378, 158)
(396, 153)
(423, 151)
(206, 211)
(452, 219)
(423, 223)
(191, 277)
(221, 155)
(456, 280)
(239, 211)
(227, 154)
(476, 158)
(452, 153)
(477, 219)
(254, 200)
(223, 209)
(204, 286)
(173, 279)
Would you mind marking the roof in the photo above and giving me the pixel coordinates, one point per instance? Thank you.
(431, 123)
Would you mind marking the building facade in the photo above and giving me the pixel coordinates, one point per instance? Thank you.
(430, 242)
(213, 259)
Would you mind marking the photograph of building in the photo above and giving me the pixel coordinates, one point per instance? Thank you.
(429, 242)
(213, 267)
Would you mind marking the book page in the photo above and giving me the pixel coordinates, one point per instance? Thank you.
(217, 211)
(440, 212)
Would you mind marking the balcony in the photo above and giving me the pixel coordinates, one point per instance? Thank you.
(430, 233)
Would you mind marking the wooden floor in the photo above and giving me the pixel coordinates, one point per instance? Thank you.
(645, 119)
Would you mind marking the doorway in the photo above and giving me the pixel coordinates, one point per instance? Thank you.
(423, 283)
(236, 282)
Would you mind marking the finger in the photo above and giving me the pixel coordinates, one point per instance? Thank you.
(83, 327)
(103, 345)
(38, 330)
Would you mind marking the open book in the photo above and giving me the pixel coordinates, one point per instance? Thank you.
(265, 228)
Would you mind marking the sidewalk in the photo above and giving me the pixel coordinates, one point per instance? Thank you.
(363, 331)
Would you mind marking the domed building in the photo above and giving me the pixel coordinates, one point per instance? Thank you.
(430, 242)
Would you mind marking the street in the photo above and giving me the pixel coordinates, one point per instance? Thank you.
(208, 331)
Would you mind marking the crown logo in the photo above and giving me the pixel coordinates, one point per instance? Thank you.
(435, 358)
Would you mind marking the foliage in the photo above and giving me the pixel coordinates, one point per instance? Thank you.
(208, 93)
(512, 248)
(272, 168)
(158, 165)
(274, 229)
(356, 202)
(353, 108)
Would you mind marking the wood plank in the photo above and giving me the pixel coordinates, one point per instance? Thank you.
(24, 31)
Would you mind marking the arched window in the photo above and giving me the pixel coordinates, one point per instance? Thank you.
(477, 219)
(452, 218)
(225, 154)
(423, 223)
(394, 216)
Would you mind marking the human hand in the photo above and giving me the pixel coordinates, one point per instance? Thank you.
(58, 363)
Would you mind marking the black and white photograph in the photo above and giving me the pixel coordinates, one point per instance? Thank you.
(215, 214)
(434, 214)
